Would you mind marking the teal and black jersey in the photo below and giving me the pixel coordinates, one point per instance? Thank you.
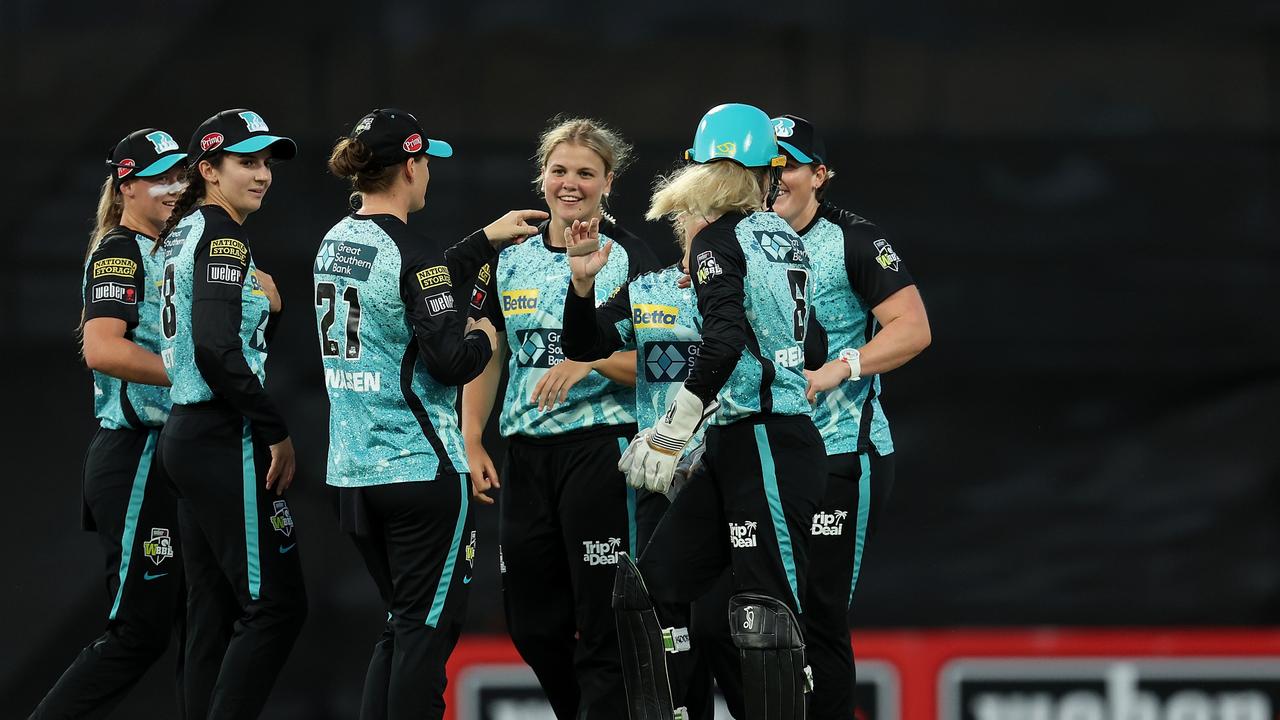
(652, 315)
(394, 349)
(216, 321)
(122, 281)
(524, 297)
(753, 333)
(855, 269)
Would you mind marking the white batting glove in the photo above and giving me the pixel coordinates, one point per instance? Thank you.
(624, 462)
(653, 461)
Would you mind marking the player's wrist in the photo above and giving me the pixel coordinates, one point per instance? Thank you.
(852, 360)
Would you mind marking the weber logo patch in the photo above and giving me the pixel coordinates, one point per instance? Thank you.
(226, 274)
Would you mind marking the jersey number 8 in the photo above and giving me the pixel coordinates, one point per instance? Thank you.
(168, 313)
(327, 293)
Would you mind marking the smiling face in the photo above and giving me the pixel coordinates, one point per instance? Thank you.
(797, 199)
(151, 199)
(573, 181)
(238, 182)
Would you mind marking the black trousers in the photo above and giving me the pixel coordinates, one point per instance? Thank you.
(740, 525)
(858, 487)
(129, 502)
(244, 578)
(418, 540)
(565, 513)
(858, 484)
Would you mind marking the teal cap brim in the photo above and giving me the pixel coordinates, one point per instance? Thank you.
(439, 148)
(161, 166)
(794, 153)
(281, 147)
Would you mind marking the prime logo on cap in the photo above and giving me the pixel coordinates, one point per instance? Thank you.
(124, 167)
(211, 141)
(413, 143)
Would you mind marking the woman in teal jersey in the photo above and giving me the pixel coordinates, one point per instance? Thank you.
(749, 502)
(127, 497)
(566, 510)
(876, 322)
(395, 345)
(226, 445)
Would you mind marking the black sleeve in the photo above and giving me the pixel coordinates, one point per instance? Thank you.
(874, 268)
(427, 290)
(215, 334)
(815, 343)
(589, 334)
(719, 271)
(484, 301)
(640, 258)
(115, 280)
(464, 260)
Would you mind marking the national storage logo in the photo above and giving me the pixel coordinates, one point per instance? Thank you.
(1111, 689)
(345, 259)
(519, 302)
(123, 267)
(654, 316)
(229, 247)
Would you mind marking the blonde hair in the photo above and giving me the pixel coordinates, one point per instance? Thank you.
(707, 190)
(591, 134)
(110, 210)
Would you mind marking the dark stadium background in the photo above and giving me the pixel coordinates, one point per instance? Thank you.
(1085, 192)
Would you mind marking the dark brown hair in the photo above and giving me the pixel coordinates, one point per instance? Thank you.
(352, 159)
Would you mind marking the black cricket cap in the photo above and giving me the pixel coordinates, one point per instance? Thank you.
(237, 131)
(394, 136)
(144, 153)
(800, 140)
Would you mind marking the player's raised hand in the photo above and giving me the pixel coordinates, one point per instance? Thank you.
(586, 255)
(515, 225)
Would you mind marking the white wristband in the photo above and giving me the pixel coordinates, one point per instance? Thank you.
(852, 358)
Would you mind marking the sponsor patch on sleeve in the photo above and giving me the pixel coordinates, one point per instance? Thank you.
(708, 267)
(123, 267)
(477, 297)
(226, 274)
(886, 258)
(229, 248)
(434, 276)
(114, 292)
(483, 277)
(440, 303)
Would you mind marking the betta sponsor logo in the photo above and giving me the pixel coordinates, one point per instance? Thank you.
(226, 274)
(654, 316)
(519, 302)
(597, 552)
(160, 547)
(743, 535)
(114, 292)
(124, 167)
(413, 143)
(212, 141)
(829, 523)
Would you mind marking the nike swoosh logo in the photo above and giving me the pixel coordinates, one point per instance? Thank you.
(286, 548)
(466, 580)
(148, 576)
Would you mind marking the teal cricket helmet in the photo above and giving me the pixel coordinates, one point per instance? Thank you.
(738, 132)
